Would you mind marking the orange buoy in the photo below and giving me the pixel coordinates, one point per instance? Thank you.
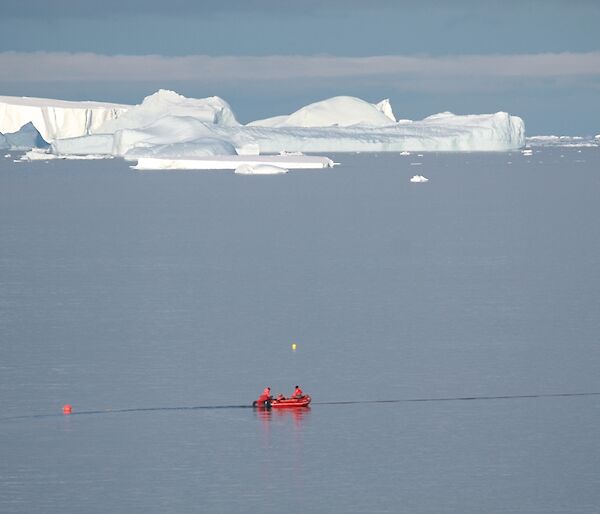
(67, 409)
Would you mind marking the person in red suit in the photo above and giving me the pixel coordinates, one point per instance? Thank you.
(266, 395)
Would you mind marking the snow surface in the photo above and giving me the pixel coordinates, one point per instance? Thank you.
(260, 169)
(169, 126)
(55, 118)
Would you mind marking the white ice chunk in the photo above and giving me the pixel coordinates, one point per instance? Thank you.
(235, 161)
(42, 155)
(419, 179)
(386, 108)
(564, 141)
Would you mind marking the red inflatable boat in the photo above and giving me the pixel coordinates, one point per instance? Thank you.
(282, 403)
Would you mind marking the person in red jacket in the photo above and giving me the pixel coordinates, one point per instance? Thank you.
(266, 395)
(298, 393)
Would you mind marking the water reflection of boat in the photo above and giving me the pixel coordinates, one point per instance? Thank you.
(282, 403)
(296, 415)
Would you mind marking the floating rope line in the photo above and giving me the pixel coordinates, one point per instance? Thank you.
(462, 398)
(350, 402)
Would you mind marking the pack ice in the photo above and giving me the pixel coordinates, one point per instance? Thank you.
(167, 126)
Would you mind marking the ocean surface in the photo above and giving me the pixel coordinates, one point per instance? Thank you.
(446, 332)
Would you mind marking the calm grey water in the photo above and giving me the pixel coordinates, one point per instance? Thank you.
(133, 295)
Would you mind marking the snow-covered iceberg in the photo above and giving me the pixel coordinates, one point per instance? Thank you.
(339, 111)
(212, 110)
(169, 126)
(445, 132)
(55, 118)
(164, 125)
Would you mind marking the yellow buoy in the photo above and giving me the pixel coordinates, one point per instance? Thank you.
(294, 347)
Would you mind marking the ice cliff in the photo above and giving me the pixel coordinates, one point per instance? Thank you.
(55, 119)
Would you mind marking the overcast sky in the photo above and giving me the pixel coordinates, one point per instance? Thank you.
(537, 59)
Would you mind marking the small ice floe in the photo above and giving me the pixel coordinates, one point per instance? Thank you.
(259, 169)
(419, 155)
(404, 153)
(416, 163)
(37, 154)
(7, 156)
(527, 152)
(419, 179)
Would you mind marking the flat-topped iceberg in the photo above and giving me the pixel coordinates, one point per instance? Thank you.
(55, 118)
(445, 133)
(169, 126)
(245, 164)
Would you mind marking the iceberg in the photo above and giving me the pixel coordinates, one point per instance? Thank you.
(167, 127)
(212, 110)
(339, 111)
(55, 118)
(419, 179)
(263, 164)
(162, 125)
(25, 138)
(442, 133)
